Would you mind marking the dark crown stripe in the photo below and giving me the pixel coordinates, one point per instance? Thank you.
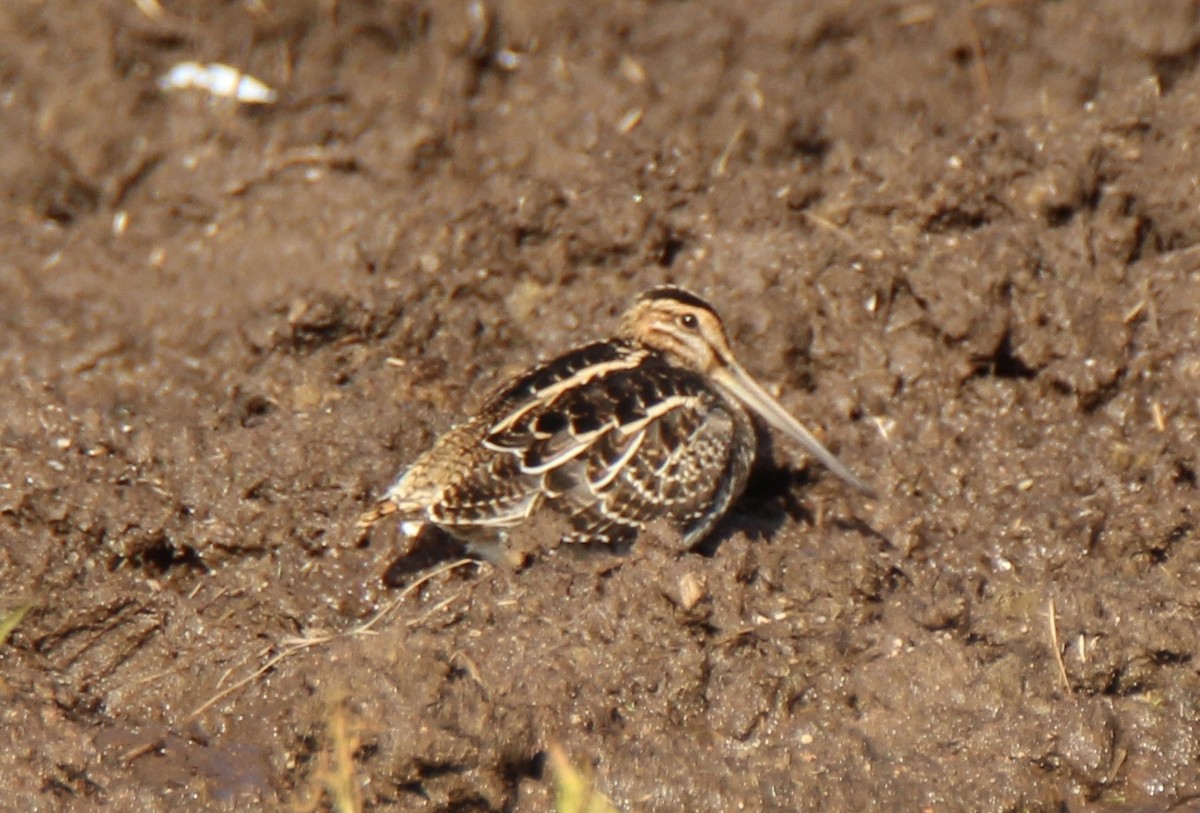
(677, 295)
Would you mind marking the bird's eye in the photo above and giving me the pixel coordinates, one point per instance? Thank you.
(689, 321)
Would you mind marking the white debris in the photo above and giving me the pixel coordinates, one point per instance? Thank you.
(151, 8)
(219, 80)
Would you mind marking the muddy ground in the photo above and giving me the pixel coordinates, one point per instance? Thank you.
(960, 241)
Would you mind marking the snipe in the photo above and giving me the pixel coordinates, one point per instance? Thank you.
(652, 423)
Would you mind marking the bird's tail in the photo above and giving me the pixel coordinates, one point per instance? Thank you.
(380, 510)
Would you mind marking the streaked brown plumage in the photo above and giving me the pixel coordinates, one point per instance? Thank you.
(652, 423)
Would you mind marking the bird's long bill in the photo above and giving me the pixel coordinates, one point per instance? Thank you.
(748, 391)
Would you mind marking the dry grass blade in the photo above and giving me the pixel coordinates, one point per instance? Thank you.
(983, 77)
(335, 774)
(574, 792)
(294, 645)
(1054, 645)
(12, 620)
